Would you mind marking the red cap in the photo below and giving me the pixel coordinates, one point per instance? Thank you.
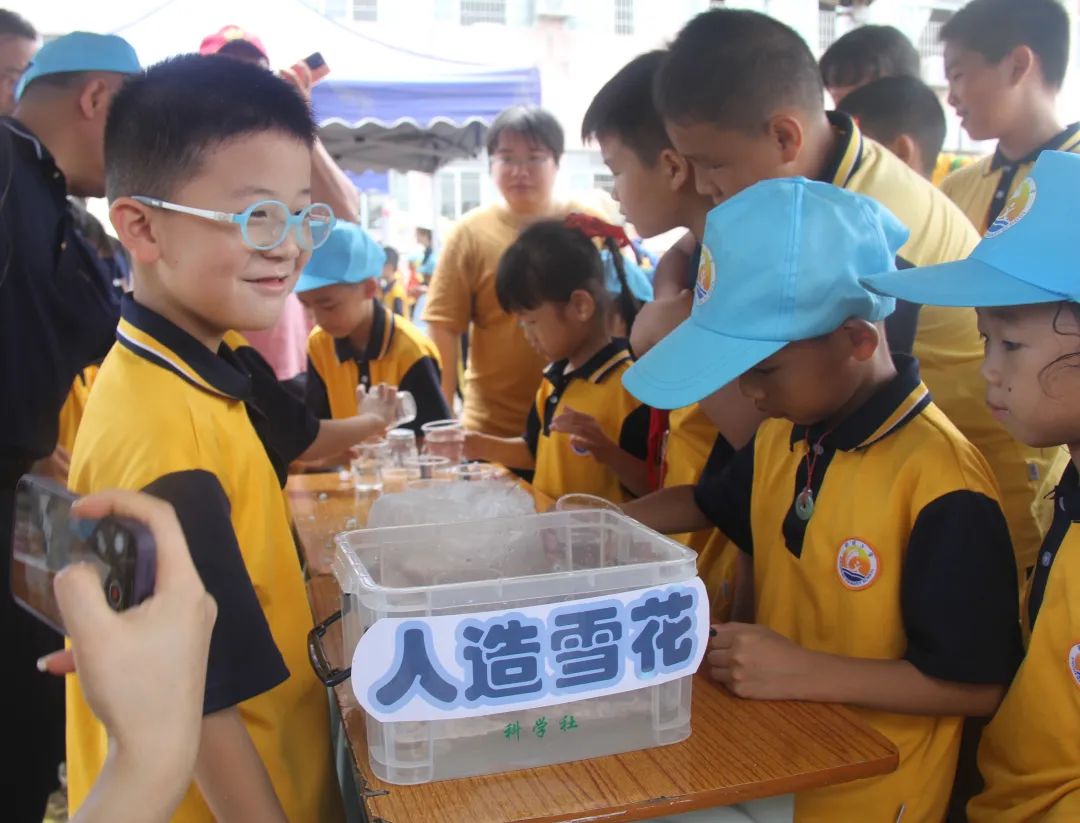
(213, 43)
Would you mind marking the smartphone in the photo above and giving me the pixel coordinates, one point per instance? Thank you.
(46, 538)
(317, 66)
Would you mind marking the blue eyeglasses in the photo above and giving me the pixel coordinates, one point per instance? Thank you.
(266, 224)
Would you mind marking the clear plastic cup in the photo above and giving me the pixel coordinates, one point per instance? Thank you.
(396, 479)
(368, 465)
(584, 502)
(444, 438)
(402, 445)
(429, 467)
(404, 409)
(474, 471)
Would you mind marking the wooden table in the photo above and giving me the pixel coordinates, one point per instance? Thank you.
(739, 749)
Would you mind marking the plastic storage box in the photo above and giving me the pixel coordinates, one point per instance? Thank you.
(412, 571)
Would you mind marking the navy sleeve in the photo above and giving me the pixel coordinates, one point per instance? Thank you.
(244, 661)
(315, 395)
(282, 421)
(723, 493)
(423, 381)
(958, 596)
(532, 430)
(634, 436)
(902, 324)
(399, 306)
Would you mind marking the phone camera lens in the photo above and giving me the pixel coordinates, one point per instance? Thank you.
(115, 594)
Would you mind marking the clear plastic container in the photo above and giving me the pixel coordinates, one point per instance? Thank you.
(457, 568)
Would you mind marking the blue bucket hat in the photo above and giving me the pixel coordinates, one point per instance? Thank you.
(780, 262)
(349, 255)
(80, 51)
(1028, 255)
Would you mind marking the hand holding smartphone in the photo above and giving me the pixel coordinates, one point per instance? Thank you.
(316, 67)
(46, 539)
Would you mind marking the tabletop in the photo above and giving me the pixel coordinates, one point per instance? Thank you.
(738, 750)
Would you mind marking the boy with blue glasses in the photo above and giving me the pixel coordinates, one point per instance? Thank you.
(208, 175)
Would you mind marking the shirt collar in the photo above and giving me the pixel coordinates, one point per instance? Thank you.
(29, 142)
(893, 406)
(151, 336)
(1067, 493)
(1065, 140)
(382, 333)
(848, 155)
(596, 369)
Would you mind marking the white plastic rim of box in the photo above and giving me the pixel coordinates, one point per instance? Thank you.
(471, 665)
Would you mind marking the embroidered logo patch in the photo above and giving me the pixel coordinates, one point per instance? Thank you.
(857, 564)
(1015, 210)
(1074, 663)
(706, 277)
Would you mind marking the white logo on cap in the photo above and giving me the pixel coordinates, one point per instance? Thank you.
(706, 277)
(1015, 210)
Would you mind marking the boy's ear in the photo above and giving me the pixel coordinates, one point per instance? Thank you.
(94, 99)
(863, 337)
(135, 228)
(582, 305)
(369, 288)
(905, 148)
(1022, 63)
(787, 132)
(676, 169)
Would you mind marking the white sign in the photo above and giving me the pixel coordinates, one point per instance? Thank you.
(469, 665)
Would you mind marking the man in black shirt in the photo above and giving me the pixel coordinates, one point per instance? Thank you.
(58, 313)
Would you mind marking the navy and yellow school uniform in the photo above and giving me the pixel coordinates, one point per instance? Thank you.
(1030, 752)
(72, 411)
(595, 389)
(905, 557)
(394, 296)
(982, 188)
(397, 354)
(171, 417)
(946, 340)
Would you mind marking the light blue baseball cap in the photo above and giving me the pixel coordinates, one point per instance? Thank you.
(80, 51)
(780, 262)
(349, 255)
(1028, 255)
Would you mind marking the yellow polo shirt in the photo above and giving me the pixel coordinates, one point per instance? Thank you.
(393, 295)
(397, 354)
(596, 389)
(947, 341)
(905, 557)
(171, 417)
(72, 411)
(503, 370)
(1030, 753)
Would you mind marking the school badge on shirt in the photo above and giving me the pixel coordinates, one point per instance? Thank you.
(1074, 663)
(856, 564)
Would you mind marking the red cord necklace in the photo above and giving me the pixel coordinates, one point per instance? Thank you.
(804, 500)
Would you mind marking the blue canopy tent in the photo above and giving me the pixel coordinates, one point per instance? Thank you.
(383, 106)
(419, 124)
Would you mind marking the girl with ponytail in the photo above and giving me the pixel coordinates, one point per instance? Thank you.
(585, 432)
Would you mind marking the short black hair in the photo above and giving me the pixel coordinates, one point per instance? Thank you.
(12, 24)
(549, 261)
(623, 108)
(892, 106)
(392, 256)
(733, 68)
(993, 28)
(162, 123)
(869, 53)
(537, 125)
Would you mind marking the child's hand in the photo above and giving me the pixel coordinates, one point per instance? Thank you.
(755, 662)
(585, 433)
(379, 404)
(474, 445)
